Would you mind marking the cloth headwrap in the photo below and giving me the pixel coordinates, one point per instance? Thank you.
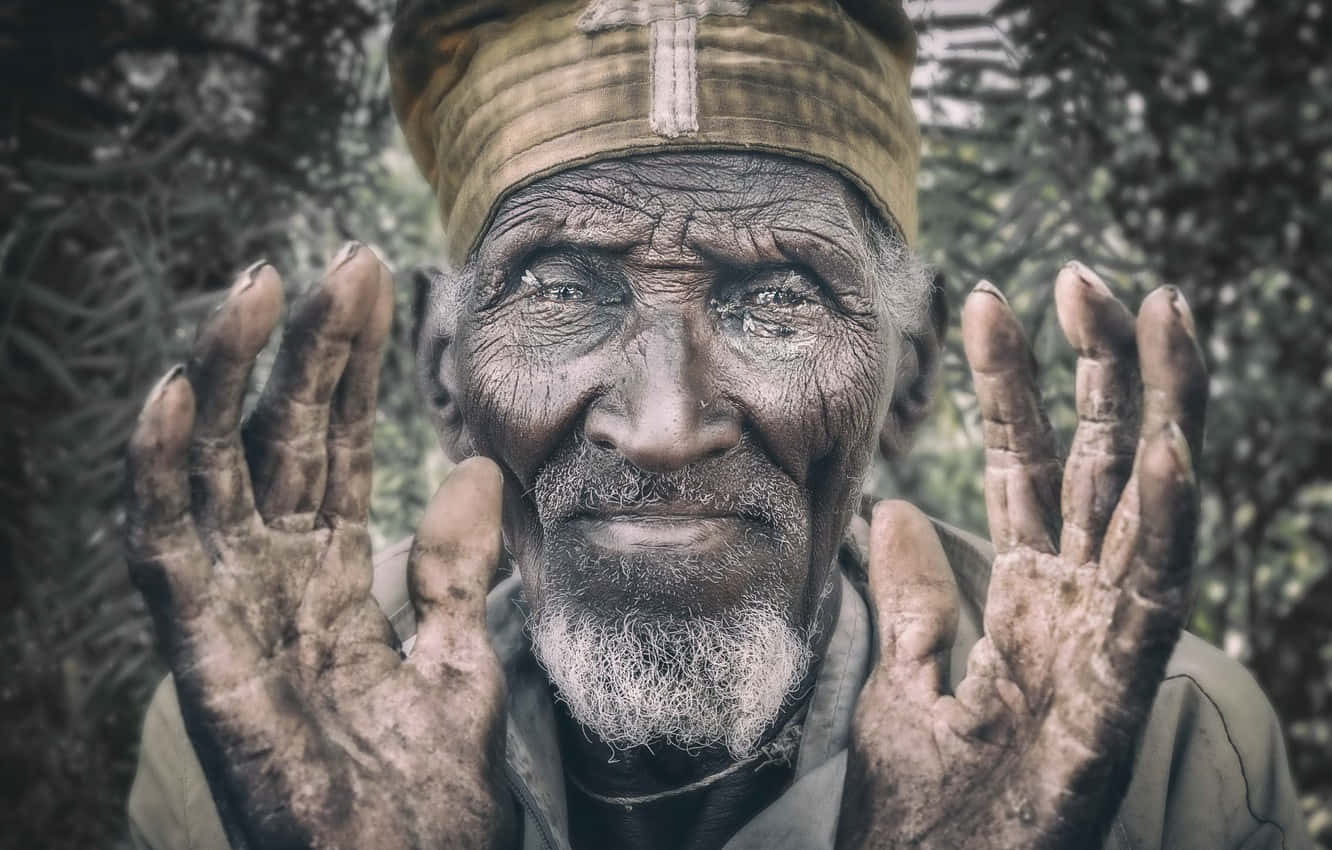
(494, 94)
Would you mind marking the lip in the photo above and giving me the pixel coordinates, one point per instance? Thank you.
(662, 527)
(663, 510)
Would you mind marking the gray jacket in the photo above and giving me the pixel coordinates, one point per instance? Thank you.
(1211, 772)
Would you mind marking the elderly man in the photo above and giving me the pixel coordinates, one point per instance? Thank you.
(682, 316)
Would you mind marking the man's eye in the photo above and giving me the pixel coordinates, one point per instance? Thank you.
(777, 288)
(774, 297)
(563, 292)
(556, 290)
(773, 303)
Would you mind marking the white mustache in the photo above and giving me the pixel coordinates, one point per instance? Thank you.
(584, 479)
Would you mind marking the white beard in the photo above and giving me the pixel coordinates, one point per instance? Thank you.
(691, 683)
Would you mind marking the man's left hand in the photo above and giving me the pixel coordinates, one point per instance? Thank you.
(1088, 594)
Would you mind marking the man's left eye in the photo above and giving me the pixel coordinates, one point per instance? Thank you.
(779, 288)
(773, 303)
(776, 297)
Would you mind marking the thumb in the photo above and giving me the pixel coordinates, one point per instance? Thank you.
(913, 596)
(453, 560)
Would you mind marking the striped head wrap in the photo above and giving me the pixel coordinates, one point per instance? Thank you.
(494, 94)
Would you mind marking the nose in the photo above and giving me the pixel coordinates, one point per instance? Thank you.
(662, 415)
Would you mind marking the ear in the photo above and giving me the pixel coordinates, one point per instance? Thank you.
(917, 370)
(434, 325)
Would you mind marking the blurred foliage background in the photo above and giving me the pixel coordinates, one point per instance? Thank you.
(151, 148)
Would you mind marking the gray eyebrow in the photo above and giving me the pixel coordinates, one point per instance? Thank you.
(548, 219)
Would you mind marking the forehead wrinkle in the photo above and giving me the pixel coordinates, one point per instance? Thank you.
(685, 214)
(748, 232)
(612, 184)
(570, 218)
(665, 248)
(527, 219)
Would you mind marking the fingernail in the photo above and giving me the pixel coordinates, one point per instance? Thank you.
(989, 289)
(379, 255)
(1090, 278)
(161, 386)
(253, 271)
(247, 277)
(340, 259)
(1181, 308)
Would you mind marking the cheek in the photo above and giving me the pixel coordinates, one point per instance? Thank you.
(819, 406)
(521, 393)
(820, 417)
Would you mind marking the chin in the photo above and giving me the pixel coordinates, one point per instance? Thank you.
(691, 651)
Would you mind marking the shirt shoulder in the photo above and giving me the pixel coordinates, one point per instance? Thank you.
(1212, 769)
(170, 804)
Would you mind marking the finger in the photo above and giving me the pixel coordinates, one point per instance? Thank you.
(1101, 331)
(1021, 461)
(1174, 396)
(285, 436)
(1150, 548)
(219, 371)
(913, 596)
(352, 415)
(167, 561)
(1174, 376)
(454, 555)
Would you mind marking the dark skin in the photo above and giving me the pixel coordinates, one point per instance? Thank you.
(263, 563)
(618, 331)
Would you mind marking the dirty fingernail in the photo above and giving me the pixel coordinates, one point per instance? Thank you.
(348, 251)
(989, 289)
(165, 381)
(379, 255)
(1181, 308)
(247, 278)
(1090, 278)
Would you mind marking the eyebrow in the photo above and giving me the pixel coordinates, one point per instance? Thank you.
(553, 223)
(782, 245)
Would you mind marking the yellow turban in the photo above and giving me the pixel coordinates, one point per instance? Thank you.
(494, 94)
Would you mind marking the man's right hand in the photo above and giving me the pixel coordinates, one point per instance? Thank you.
(250, 545)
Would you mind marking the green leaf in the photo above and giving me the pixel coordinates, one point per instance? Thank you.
(47, 358)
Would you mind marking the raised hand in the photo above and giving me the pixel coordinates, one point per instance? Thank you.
(251, 548)
(1087, 597)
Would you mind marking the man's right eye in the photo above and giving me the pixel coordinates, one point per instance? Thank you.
(568, 281)
(554, 290)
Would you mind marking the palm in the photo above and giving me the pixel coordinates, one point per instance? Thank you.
(1087, 596)
(313, 729)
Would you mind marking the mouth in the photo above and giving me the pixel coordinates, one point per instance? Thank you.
(694, 527)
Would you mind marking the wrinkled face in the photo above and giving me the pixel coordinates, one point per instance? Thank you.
(681, 362)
